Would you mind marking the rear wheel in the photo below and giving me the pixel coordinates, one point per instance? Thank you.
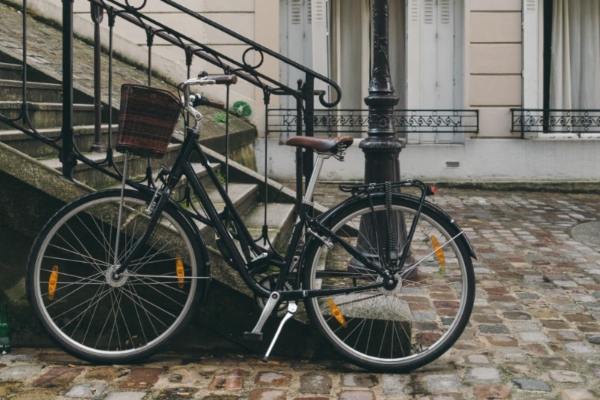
(405, 325)
(86, 309)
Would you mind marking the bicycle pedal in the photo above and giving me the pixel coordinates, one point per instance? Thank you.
(255, 337)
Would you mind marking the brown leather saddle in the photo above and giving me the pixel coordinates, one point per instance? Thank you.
(322, 145)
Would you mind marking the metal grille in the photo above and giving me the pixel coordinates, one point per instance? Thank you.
(334, 122)
(555, 121)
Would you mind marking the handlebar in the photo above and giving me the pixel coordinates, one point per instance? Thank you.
(190, 102)
(197, 100)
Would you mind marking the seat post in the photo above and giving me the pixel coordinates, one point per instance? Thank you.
(314, 177)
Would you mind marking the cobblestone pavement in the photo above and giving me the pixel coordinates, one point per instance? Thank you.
(534, 333)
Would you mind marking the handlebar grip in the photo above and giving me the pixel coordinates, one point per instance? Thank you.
(223, 79)
(203, 101)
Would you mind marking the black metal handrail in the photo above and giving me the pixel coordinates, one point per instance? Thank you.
(69, 154)
(527, 120)
(334, 121)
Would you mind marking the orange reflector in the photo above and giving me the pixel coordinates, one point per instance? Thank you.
(337, 313)
(433, 190)
(180, 272)
(52, 282)
(439, 253)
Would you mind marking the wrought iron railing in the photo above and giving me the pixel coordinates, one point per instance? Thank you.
(334, 122)
(190, 47)
(578, 122)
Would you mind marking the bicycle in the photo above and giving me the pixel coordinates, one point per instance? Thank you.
(386, 277)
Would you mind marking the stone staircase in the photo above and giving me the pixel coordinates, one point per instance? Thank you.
(34, 168)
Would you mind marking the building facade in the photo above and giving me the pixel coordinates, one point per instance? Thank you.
(490, 90)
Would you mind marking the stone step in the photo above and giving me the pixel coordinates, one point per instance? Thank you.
(280, 220)
(136, 167)
(46, 115)
(11, 71)
(84, 138)
(12, 90)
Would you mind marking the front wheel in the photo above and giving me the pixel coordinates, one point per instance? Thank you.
(90, 312)
(401, 326)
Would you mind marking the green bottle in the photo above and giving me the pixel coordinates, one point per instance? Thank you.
(4, 331)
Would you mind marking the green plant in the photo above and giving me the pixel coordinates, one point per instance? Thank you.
(221, 117)
(241, 108)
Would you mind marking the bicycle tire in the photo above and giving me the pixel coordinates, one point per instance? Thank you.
(406, 327)
(89, 313)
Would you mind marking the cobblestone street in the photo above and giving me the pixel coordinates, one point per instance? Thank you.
(534, 332)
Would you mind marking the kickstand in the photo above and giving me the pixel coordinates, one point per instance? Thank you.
(292, 307)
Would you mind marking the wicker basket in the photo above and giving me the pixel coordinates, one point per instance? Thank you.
(147, 120)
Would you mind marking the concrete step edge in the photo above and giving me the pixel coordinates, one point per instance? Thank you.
(30, 85)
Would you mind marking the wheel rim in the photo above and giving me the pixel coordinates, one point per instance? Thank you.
(418, 318)
(91, 311)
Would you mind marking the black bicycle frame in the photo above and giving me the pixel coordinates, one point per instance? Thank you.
(182, 167)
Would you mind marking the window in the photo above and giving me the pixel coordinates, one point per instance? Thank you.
(572, 54)
(561, 68)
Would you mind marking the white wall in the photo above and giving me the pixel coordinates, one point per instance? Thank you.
(481, 160)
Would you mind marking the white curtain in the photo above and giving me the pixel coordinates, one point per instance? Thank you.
(351, 47)
(575, 69)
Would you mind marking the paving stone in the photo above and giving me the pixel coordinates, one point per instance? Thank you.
(491, 392)
(273, 378)
(359, 380)
(578, 318)
(267, 394)
(108, 374)
(595, 339)
(518, 369)
(232, 380)
(532, 385)
(504, 341)
(478, 359)
(516, 315)
(587, 328)
(125, 396)
(534, 337)
(315, 383)
(566, 336)
(524, 326)
(311, 398)
(527, 296)
(141, 378)
(482, 374)
(554, 362)
(57, 376)
(554, 324)
(578, 394)
(579, 347)
(11, 358)
(86, 390)
(357, 395)
(393, 385)
(486, 319)
(495, 329)
(566, 376)
(442, 383)
(181, 393)
(20, 373)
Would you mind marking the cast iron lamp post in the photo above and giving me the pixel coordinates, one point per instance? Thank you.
(382, 147)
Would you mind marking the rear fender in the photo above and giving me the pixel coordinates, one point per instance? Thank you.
(432, 208)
